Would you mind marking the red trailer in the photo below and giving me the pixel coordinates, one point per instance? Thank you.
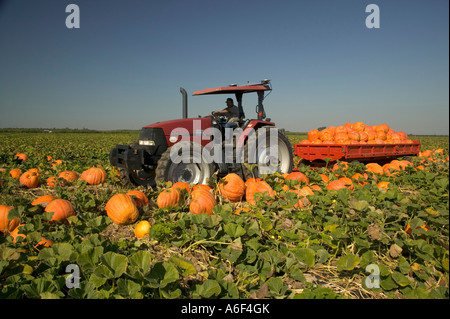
(356, 152)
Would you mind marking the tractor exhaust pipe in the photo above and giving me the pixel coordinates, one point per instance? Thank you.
(185, 103)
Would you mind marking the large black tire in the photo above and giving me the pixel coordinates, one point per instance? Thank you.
(137, 178)
(187, 170)
(285, 157)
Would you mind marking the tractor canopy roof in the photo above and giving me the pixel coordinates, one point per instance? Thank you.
(237, 89)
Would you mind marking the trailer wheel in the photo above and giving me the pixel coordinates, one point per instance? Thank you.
(184, 162)
(265, 160)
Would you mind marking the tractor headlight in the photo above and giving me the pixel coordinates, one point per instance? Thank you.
(146, 142)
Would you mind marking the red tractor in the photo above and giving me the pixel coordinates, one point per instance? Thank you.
(175, 150)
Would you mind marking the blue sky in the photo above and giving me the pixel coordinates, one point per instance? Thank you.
(123, 68)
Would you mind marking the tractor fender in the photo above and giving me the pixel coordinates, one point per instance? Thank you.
(252, 126)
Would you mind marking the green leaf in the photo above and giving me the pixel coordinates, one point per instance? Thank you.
(162, 274)
(305, 255)
(63, 250)
(209, 288)
(275, 285)
(358, 205)
(187, 267)
(234, 230)
(116, 263)
(388, 283)
(128, 288)
(142, 260)
(400, 279)
(348, 262)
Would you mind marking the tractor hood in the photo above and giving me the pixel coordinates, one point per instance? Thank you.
(182, 127)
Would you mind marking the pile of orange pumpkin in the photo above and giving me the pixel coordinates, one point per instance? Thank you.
(357, 133)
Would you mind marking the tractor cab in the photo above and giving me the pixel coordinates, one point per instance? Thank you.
(239, 91)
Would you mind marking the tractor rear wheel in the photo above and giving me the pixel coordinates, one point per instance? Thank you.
(184, 163)
(268, 158)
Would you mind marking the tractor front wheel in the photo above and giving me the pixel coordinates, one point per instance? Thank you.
(184, 162)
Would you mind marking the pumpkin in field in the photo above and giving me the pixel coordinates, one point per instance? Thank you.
(22, 157)
(62, 210)
(302, 201)
(94, 176)
(316, 188)
(121, 209)
(170, 197)
(343, 165)
(252, 180)
(202, 202)
(324, 178)
(242, 209)
(30, 179)
(383, 186)
(15, 173)
(53, 181)
(298, 176)
(43, 200)
(43, 243)
(336, 185)
(69, 176)
(140, 200)
(258, 187)
(7, 225)
(232, 187)
(348, 182)
(142, 229)
(16, 233)
(374, 168)
(181, 186)
(201, 186)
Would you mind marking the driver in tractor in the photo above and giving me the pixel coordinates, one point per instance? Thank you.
(231, 112)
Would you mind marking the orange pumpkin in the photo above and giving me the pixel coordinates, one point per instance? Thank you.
(301, 197)
(15, 233)
(62, 210)
(313, 135)
(383, 185)
(15, 173)
(348, 182)
(53, 181)
(242, 209)
(30, 179)
(43, 242)
(121, 209)
(169, 198)
(343, 165)
(252, 180)
(325, 178)
(142, 229)
(181, 186)
(336, 185)
(43, 200)
(141, 198)
(94, 176)
(232, 187)
(298, 176)
(374, 168)
(201, 186)
(22, 157)
(258, 187)
(69, 176)
(7, 225)
(202, 202)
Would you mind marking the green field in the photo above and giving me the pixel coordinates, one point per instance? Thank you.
(274, 250)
